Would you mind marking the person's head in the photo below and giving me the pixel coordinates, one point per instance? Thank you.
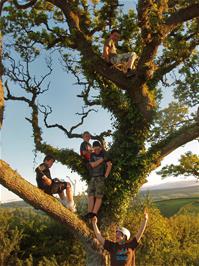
(115, 35)
(122, 235)
(49, 160)
(97, 147)
(86, 136)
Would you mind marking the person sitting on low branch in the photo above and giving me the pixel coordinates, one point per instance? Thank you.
(54, 186)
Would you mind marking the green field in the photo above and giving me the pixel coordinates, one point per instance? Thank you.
(171, 207)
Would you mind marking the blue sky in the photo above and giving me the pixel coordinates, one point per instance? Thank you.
(17, 147)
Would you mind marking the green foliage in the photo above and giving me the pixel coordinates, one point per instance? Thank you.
(32, 238)
(41, 241)
(187, 89)
(169, 120)
(188, 166)
(165, 242)
(10, 238)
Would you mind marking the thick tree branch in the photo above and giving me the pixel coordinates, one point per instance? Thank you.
(174, 141)
(182, 15)
(40, 200)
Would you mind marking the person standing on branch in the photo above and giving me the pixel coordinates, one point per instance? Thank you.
(54, 186)
(122, 252)
(100, 168)
(111, 56)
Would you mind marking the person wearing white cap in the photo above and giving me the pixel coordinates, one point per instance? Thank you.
(122, 252)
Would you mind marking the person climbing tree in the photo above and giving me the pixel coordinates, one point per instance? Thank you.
(100, 167)
(54, 186)
(122, 252)
(85, 147)
(111, 56)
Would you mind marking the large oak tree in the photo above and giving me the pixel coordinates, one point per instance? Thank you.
(165, 36)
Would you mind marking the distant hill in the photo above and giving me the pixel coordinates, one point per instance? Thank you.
(15, 204)
(171, 193)
(172, 184)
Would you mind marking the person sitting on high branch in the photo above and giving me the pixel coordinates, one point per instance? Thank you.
(111, 56)
(122, 252)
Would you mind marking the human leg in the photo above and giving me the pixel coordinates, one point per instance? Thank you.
(99, 191)
(91, 202)
(65, 193)
(91, 198)
(69, 192)
(97, 205)
(131, 60)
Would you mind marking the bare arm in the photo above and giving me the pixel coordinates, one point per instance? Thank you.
(106, 53)
(47, 180)
(96, 163)
(108, 168)
(142, 227)
(97, 231)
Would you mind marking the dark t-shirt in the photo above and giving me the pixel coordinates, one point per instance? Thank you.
(85, 146)
(100, 169)
(42, 170)
(122, 255)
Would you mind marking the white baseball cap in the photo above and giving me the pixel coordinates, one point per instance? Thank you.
(124, 231)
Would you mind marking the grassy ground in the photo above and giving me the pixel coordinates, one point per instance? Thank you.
(171, 207)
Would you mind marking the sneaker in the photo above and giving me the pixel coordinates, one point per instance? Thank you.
(90, 215)
(130, 73)
(71, 206)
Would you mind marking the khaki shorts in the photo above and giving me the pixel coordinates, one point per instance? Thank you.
(121, 58)
(96, 187)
